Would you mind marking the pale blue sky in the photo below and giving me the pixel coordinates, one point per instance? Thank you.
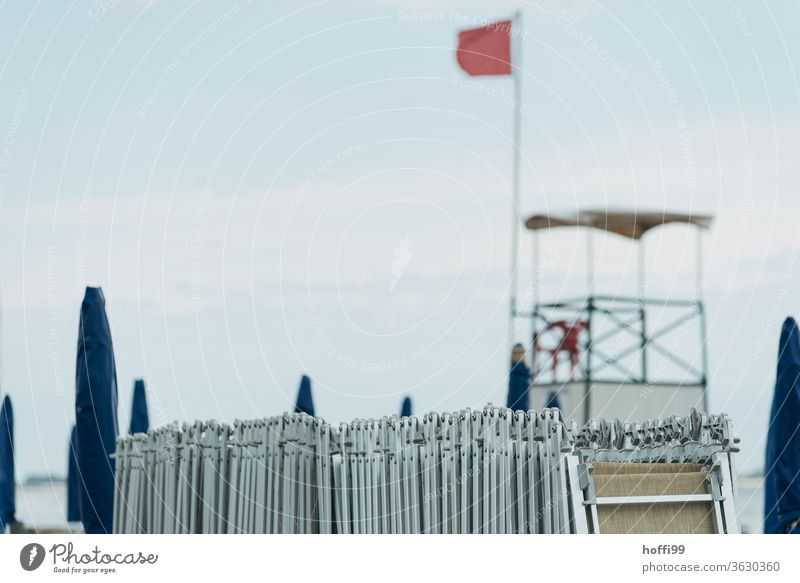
(237, 177)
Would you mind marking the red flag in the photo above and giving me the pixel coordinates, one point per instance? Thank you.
(486, 50)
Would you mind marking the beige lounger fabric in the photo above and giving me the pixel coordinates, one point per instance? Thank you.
(634, 479)
(639, 468)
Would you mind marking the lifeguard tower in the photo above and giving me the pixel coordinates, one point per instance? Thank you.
(629, 357)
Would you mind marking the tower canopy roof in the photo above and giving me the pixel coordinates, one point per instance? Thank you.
(628, 223)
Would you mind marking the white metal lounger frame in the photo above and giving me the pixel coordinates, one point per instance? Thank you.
(720, 494)
(698, 439)
(473, 471)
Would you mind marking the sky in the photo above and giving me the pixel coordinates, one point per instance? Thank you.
(265, 190)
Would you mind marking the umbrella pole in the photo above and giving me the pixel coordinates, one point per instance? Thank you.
(589, 262)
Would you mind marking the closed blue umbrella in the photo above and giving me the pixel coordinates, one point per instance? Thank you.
(73, 480)
(553, 402)
(305, 402)
(782, 475)
(140, 420)
(96, 413)
(8, 507)
(405, 410)
(519, 380)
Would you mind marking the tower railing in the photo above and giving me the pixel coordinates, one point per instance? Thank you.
(621, 339)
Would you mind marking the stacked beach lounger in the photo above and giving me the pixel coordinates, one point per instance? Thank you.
(672, 475)
(487, 471)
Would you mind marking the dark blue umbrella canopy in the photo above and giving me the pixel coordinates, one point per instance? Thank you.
(305, 402)
(782, 472)
(7, 483)
(96, 413)
(405, 410)
(518, 383)
(73, 480)
(553, 401)
(140, 420)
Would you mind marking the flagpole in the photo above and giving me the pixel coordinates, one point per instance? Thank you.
(516, 62)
